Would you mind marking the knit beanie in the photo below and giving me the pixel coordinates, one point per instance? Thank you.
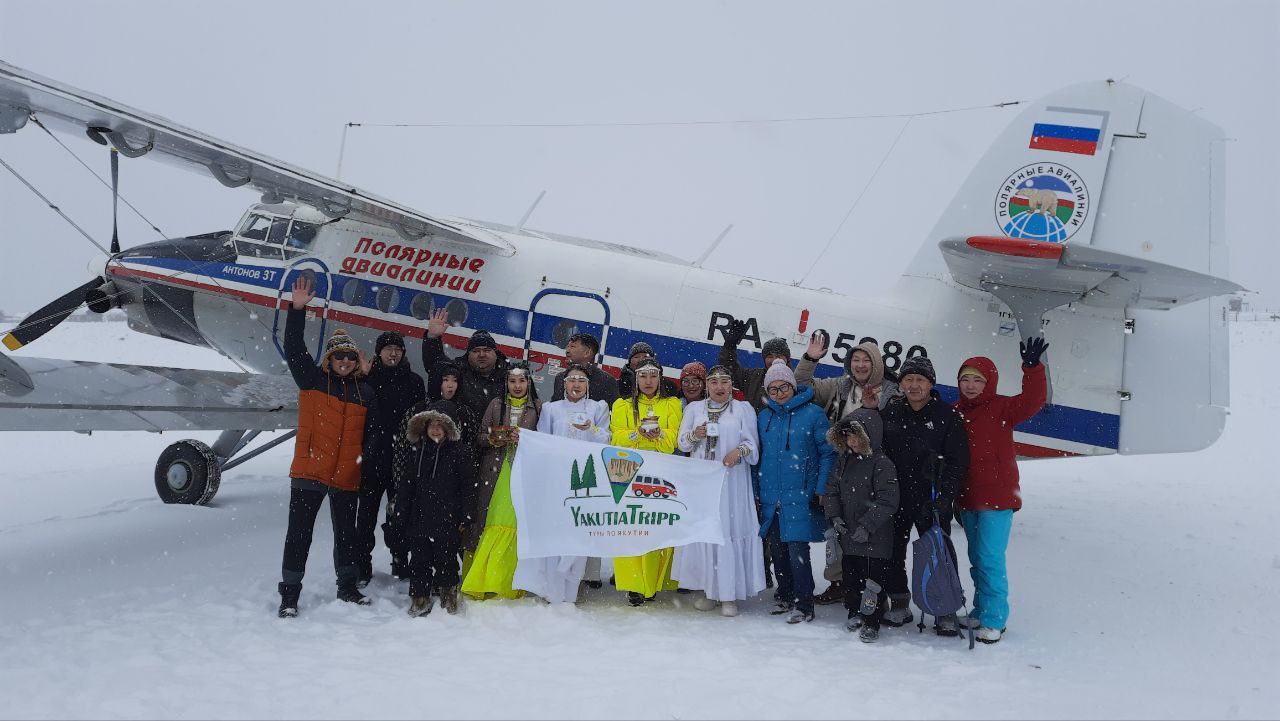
(339, 341)
(778, 347)
(640, 347)
(971, 371)
(389, 338)
(779, 371)
(695, 369)
(919, 365)
(481, 339)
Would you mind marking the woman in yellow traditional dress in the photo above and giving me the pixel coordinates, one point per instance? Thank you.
(490, 541)
(647, 421)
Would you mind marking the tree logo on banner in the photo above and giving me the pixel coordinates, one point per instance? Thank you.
(584, 481)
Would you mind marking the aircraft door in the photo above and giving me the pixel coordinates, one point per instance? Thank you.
(555, 315)
(325, 292)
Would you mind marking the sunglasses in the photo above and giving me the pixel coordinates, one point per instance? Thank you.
(345, 355)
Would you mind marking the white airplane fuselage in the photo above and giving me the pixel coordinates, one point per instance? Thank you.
(371, 280)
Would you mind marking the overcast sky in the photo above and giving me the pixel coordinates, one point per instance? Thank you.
(282, 79)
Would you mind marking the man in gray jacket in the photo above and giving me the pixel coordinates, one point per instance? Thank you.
(863, 385)
(861, 498)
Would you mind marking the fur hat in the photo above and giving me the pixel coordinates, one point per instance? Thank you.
(695, 369)
(481, 339)
(339, 341)
(779, 371)
(417, 426)
(863, 424)
(919, 365)
(778, 347)
(389, 338)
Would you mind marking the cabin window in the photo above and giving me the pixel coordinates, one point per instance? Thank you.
(353, 292)
(422, 306)
(388, 298)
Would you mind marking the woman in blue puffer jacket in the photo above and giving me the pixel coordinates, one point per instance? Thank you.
(795, 460)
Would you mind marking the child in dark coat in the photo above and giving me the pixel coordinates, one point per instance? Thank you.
(861, 498)
(434, 482)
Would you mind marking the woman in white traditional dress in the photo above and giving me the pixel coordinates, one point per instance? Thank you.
(722, 429)
(556, 578)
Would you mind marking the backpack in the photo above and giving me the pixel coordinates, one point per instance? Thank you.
(935, 581)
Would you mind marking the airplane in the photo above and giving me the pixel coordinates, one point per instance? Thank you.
(1094, 218)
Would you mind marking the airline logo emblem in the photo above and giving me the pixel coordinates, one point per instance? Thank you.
(1042, 201)
(1069, 130)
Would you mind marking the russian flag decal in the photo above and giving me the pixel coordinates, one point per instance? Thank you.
(1069, 130)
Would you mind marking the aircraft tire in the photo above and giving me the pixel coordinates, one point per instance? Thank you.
(188, 472)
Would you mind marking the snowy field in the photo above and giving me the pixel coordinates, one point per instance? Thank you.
(1141, 587)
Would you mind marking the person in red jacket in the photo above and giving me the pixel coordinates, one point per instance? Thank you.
(989, 494)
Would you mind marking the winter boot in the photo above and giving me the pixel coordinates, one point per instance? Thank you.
(899, 613)
(635, 599)
(704, 604)
(781, 607)
(854, 623)
(869, 633)
(990, 635)
(351, 594)
(421, 606)
(289, 593)
(971, 622)
(948, 625)
(729, 609)
(449, 600)
(800, 617)
(833, 594)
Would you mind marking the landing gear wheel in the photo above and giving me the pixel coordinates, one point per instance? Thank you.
(188, 472)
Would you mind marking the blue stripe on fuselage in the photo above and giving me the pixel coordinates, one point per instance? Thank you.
(1077, 425)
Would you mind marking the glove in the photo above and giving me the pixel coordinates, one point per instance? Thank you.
(736, 331)
(840, 526)
(815, 503)
(1031, 350)
(860, 535)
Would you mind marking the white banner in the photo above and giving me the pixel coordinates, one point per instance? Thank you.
(576, 498)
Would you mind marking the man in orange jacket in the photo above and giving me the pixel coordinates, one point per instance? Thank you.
(333, 403)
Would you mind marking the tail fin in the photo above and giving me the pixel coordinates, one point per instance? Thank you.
(1105, 200)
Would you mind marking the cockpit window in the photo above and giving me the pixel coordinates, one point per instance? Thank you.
(279, 229)
(255, 228)
(301, 235)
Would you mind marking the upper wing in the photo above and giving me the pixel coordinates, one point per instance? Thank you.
(135, 133)
(40, 394)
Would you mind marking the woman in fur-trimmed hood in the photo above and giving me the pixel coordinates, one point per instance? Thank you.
(861, 498)
(433, 488)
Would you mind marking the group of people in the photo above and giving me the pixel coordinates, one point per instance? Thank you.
(856, 461)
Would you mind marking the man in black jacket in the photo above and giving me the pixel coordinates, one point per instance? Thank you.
(582, 349)
(926, 440)
(397, 389)
(750, 380)
(484, 368)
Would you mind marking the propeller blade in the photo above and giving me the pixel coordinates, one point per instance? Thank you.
(47, 318)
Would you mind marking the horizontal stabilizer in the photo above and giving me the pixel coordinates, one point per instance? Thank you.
(41, 394)
(1079, 273)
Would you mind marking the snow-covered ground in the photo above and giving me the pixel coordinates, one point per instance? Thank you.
(1141, 587)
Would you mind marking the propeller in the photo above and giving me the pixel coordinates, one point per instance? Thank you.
(48, 317)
